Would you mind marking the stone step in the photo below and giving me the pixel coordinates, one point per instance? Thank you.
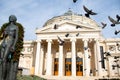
(78, 78)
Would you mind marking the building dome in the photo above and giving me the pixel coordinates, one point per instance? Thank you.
(73, 17)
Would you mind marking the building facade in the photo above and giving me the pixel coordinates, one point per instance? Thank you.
(72, 46)
(27, 59)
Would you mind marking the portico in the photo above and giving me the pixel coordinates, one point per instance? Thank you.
(76, 57)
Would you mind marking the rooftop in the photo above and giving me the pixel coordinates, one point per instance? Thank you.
(71, 16)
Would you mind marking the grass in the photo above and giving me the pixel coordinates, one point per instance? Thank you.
(25, 77)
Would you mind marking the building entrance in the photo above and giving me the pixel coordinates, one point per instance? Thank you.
(56, 66)
(68, 67)
(79, 66)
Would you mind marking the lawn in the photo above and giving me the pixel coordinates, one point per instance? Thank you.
(25, 77)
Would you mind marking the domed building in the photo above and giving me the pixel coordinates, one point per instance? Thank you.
(71, 46)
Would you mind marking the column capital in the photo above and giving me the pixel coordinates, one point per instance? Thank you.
(49, 40)
(96, 39)
(73, 40)
(85, 39)
(38, 41)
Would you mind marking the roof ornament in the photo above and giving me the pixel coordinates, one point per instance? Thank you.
(69, 12)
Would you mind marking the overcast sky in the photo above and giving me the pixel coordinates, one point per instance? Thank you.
(33, 14)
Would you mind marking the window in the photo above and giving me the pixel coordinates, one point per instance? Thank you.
(102, 57)
(29, 49)
(78, 59)
(68, 59)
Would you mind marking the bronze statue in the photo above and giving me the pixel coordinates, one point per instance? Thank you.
(7, 47)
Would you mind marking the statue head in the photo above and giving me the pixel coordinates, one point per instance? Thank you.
(12, 18)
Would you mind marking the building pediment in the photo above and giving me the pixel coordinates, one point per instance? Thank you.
(68, 26)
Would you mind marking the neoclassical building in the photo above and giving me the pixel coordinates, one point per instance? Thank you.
(71, 46)
(27, 59)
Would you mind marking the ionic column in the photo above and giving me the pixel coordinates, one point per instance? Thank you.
(96, 60)
(49, 59)
(37, 61)
(61, 61)
(87, 63)
(73, 47)
(41, 61)
(98, 54)
(119, 67)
